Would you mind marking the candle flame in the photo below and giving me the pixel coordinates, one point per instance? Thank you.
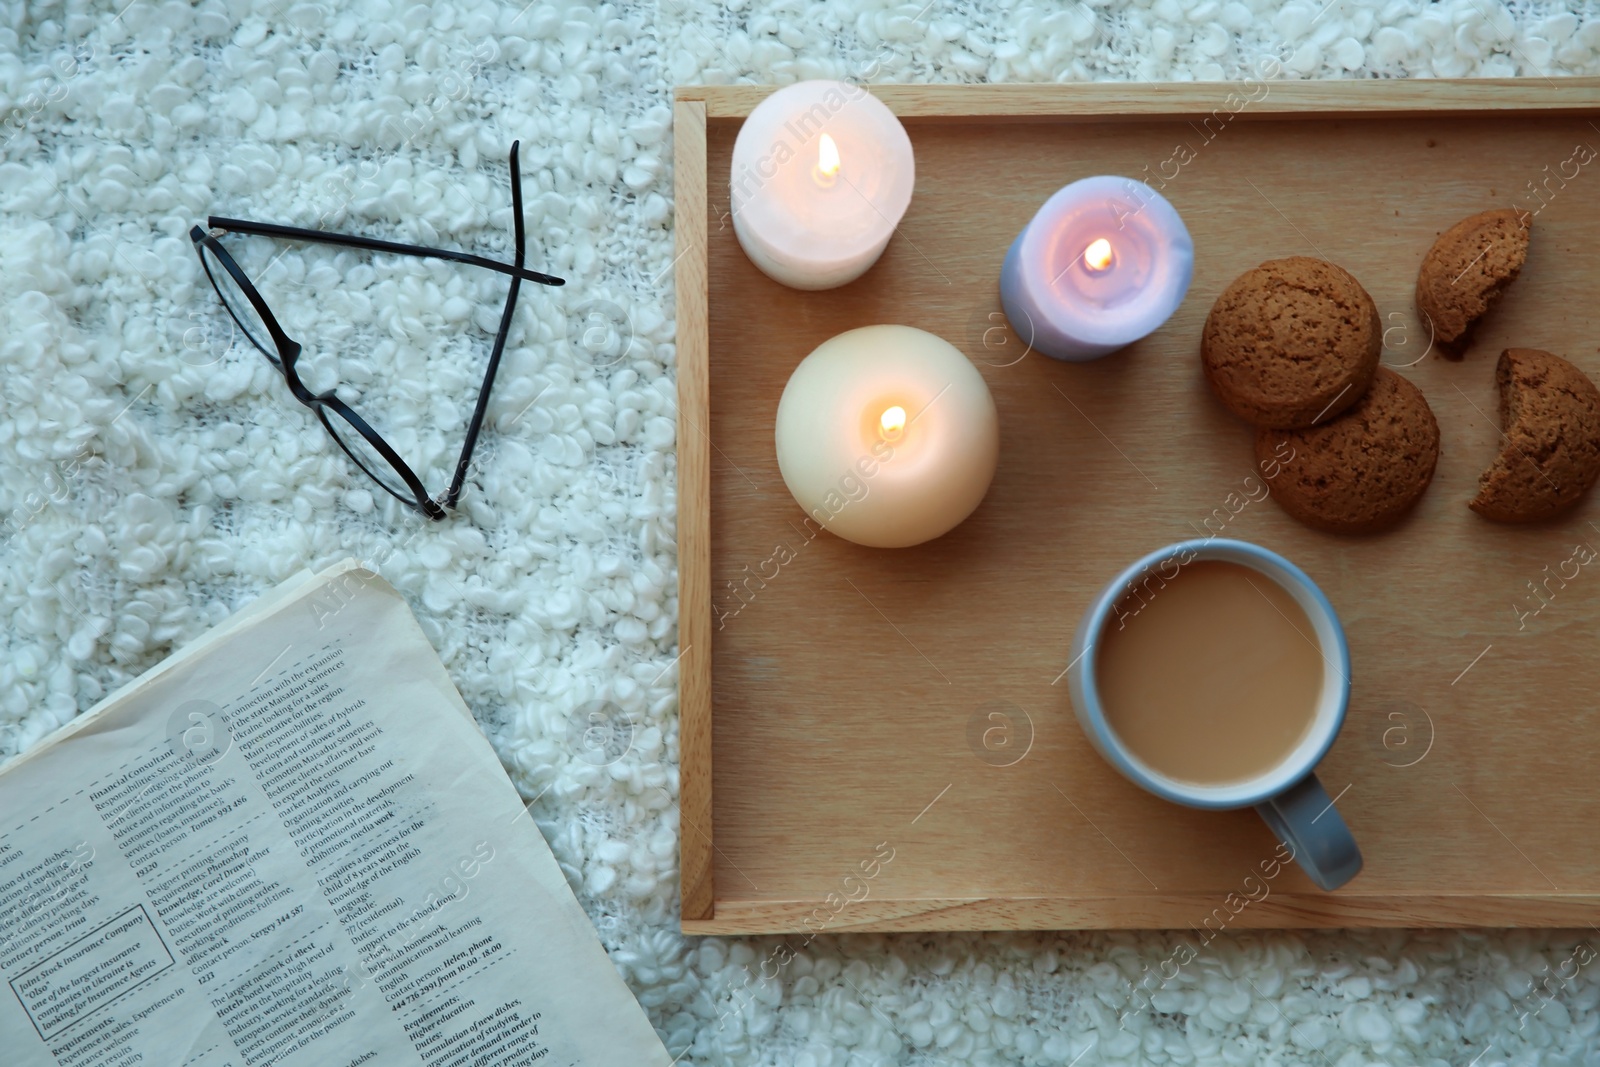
(1097, 256)
(893, 421)
(827, 158)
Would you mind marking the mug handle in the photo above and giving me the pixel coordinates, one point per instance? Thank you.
(1305, 819)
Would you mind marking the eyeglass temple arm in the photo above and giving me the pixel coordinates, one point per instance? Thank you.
(296, 233)
(520, 245)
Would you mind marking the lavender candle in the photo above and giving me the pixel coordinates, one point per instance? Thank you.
(1105, 262)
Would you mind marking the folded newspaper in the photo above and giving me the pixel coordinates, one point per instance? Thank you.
(290, 844)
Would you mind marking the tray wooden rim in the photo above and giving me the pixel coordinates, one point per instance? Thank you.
(1096, 100)
(693, 108)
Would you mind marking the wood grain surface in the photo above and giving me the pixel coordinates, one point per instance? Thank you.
(858, 704)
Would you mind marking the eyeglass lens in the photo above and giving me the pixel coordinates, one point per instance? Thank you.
(239, 306)
(364, 453)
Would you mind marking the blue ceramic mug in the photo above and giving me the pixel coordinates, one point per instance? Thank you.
(1288, 797)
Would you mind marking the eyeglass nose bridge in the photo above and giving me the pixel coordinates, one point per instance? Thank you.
(289, 354)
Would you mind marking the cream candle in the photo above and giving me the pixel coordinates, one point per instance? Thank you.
(887, 436)
(1105, 262)
(822, 174)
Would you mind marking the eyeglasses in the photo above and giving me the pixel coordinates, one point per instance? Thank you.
(364, 445)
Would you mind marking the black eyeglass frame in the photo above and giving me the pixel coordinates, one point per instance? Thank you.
(289, 349)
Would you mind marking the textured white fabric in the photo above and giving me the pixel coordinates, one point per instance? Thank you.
(154, 473)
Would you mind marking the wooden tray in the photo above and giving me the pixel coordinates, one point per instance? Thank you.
(847, 715)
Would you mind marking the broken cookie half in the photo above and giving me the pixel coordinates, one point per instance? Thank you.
(1466, 271)
(1550, 422)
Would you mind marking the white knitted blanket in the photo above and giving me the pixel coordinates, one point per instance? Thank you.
(155, 474)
